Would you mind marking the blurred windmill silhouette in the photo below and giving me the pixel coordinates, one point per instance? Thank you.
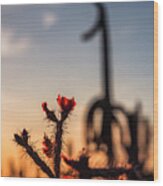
(105, 104)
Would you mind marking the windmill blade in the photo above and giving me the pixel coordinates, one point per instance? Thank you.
(97, 26)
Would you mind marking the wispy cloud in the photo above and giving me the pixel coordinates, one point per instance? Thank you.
(13, 46)
(48, 20)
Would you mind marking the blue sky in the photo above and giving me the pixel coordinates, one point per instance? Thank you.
(43, 55)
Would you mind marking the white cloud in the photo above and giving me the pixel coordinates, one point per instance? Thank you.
(12, 46)
(48, 20)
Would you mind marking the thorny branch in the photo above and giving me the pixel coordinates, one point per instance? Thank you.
(21, 140)
(82, 167)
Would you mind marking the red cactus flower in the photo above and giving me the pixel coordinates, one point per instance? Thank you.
(44, 106)
(66, 104)
(48, 146)
(67, 177)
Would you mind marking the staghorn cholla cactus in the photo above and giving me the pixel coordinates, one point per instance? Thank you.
(51, 147)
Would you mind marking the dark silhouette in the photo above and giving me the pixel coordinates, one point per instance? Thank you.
(105, 103)
(133, 126)
(85, 172)
(19, 139)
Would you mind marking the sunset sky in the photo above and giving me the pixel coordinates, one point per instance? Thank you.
(43, 56)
